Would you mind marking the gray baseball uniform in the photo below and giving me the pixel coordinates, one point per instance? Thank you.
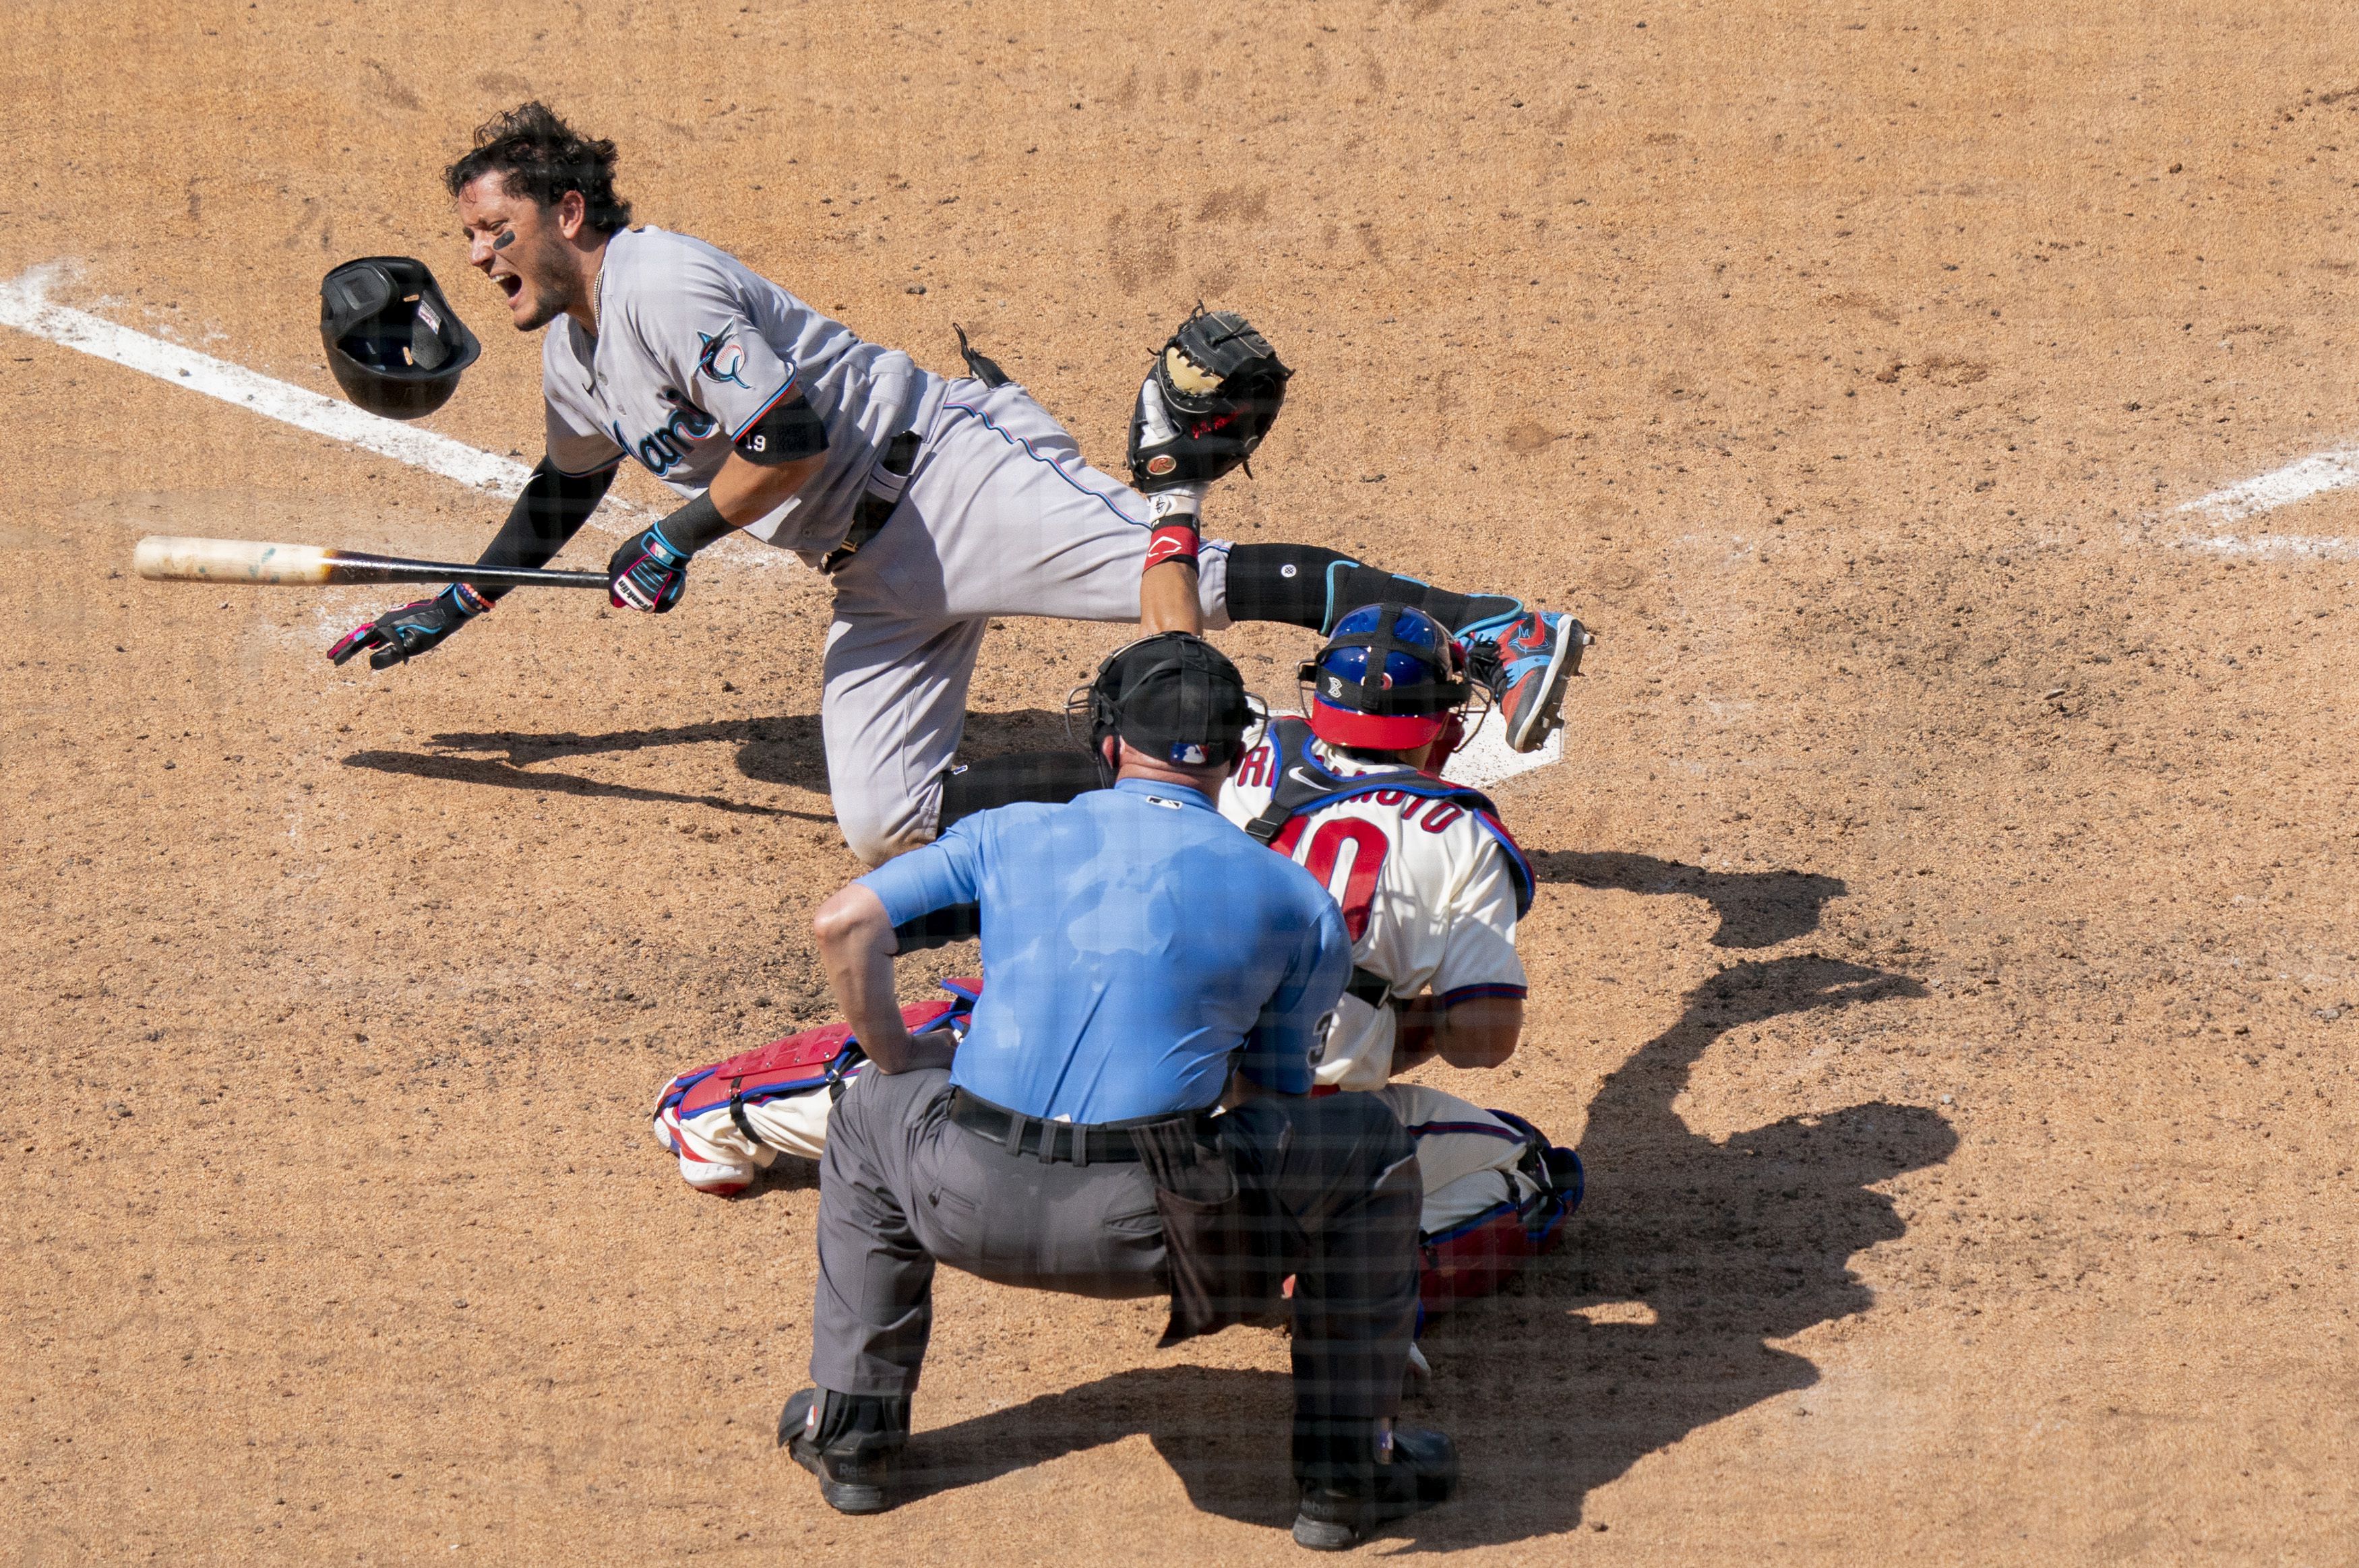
(998, 517)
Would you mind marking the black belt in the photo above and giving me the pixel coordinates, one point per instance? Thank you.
(872, 511)
(1076, 1142)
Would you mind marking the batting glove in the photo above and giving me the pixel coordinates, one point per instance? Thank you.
(399, 636)
(649, 573)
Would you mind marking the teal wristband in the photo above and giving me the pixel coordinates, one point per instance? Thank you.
(664, 550)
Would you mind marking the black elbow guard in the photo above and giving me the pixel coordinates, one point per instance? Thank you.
(785, 432)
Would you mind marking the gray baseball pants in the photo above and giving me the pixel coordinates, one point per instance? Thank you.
(903, 1187)
(999, 516)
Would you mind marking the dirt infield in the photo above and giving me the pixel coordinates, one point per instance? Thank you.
(1944, 957)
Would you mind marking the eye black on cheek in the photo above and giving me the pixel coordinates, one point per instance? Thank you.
(502, 242)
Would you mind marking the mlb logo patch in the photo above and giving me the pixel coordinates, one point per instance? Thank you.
(1188, 753)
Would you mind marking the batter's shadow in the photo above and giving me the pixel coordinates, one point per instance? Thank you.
(1655, 1319)
(786, 750)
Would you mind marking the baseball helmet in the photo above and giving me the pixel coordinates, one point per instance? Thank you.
(1174, 697)
(1391, 678)
(393, 343)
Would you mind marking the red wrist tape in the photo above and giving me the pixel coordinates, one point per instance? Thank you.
(1171, 542)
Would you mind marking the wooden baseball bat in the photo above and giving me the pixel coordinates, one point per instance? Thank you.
(168, 559)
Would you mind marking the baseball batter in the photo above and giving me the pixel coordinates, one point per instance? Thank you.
(931, 504)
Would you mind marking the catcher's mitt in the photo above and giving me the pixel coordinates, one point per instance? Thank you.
(1213, 394)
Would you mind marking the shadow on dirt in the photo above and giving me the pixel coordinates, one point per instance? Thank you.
(786, 751)
(1756, 909)
(507, 775)
(1652, 1321)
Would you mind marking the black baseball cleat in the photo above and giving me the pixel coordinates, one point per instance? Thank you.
(1423, 1473)
(855, 1483)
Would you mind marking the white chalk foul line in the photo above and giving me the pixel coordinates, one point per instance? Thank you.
(2273, 545)
(2313, 475)
(25, 304)
(2317, 474)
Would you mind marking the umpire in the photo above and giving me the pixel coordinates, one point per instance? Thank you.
(1146, 960)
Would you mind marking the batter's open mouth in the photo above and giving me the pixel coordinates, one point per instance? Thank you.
(510, 285)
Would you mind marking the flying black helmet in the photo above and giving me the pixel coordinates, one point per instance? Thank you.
(393, 343)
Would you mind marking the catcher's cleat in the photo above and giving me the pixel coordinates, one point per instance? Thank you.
(1423, 1473)
(719, 1181)
(718, 1177)
(1417, 1377)
(1527, 663)
(853, 1483)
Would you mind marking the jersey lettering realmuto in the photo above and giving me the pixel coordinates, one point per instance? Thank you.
(1428, 896)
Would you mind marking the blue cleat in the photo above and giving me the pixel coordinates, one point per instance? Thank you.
(1527, 663)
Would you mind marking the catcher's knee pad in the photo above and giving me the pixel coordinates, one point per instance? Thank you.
(1495, 1192)
(736, 1117)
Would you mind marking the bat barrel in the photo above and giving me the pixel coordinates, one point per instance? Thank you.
(168, 559)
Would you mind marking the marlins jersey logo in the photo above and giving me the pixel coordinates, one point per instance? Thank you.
(721, 358)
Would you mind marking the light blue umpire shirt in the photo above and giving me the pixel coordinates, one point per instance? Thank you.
(1133, 941)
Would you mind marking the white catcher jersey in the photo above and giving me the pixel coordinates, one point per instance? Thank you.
(1426, 891)
(693, 347)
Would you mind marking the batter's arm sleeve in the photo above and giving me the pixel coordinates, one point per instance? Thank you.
(1478, 957)
(552, 510)
(933, 894)
(1277, 1053)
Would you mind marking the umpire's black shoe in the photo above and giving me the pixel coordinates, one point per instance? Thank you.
(851, 1480)
(1423, 1472)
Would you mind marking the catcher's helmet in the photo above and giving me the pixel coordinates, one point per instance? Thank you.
(1389, 679)
(393, 343)
(1174, 697)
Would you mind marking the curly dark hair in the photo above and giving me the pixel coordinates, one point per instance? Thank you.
(539, 155)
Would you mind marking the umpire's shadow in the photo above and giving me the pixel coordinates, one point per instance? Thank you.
(785, 750)
(1652, 1321)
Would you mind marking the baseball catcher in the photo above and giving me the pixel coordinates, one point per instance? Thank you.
(931, 504)
(1431, 886)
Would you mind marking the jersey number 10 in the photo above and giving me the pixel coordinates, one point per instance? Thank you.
(1350, 880)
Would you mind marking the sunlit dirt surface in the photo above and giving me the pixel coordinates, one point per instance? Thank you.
(1943, 954)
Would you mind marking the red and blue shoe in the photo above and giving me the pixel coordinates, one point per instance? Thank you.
(1528, 660)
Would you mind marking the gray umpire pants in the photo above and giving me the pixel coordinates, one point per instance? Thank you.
(903, 1187)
